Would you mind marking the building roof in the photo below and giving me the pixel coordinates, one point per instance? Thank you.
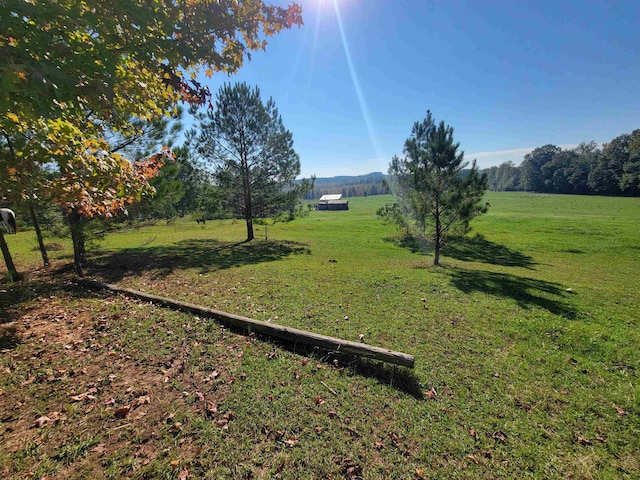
(326, 198)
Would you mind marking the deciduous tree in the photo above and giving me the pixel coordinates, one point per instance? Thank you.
(72, 70)
(124, 59)
(533, 177)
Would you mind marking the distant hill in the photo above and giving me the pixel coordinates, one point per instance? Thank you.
(373, 183)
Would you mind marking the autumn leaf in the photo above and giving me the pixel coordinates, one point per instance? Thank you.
(499, 436)
(211, 408)
(473, 459)
(141, 401)
(431, 394)
(122, 412)
(474, 434)
(222, 423)
(583, 441)
(318, 400)
(292, 442)
(41, 422)
(100, 448)
(620, 411)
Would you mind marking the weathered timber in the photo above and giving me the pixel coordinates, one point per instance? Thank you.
(264, 328)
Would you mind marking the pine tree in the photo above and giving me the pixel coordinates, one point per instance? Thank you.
(430, 186)
(255, 163)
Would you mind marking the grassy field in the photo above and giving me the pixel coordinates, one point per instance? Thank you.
(527, 347)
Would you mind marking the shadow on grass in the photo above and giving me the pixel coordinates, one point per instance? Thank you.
(411, 243)
(478, 249)
(15, 294)
(468, 249)
(400, 378)
(206, 254)
(8, 337)
(527, 292)
(20, 298)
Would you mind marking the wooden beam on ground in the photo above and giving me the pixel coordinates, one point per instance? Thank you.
(264, 328)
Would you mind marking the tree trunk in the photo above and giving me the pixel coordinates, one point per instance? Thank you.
(249, 229)
(248, 204)
(77, 238)
(11, 268)
(36, 225)
(438, 235)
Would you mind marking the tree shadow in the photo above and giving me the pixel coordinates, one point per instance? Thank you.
(9, 337)
(478, 249)
(527, 292)
(20, 298)
(412, 243)
(206, 254)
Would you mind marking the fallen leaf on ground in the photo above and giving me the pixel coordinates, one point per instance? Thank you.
(431, 393)
(292, 442)
(140, 401)
(473, 459)
(584, 441)
(620, 411)
(223, 423)
(499, 436)
(122, 412)
(41, 422)
(100, 448)
(211, 408)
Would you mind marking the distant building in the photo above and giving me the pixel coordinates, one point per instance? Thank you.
(332, 202)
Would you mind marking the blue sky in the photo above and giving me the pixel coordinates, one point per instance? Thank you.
(508, 76)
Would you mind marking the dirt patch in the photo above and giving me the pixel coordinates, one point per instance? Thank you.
(79, 397)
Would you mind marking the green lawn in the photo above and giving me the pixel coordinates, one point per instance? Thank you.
(526, 340)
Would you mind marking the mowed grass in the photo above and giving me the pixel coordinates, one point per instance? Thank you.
(526, 343)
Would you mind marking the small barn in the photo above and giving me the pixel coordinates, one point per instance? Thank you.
(332, 202)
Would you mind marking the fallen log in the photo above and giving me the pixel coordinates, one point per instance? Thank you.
(276, 331)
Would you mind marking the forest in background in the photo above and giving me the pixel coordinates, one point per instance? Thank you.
(612, 169)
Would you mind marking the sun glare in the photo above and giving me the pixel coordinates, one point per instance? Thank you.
(356, 83)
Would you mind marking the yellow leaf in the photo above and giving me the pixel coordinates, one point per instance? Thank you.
(13, 117)
(209, 72)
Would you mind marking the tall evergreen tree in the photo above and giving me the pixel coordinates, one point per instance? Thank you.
(255, 163)
(429, 185)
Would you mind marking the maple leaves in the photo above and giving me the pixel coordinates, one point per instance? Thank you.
(95, 56)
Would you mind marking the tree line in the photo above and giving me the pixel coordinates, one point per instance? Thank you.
(611, 169)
